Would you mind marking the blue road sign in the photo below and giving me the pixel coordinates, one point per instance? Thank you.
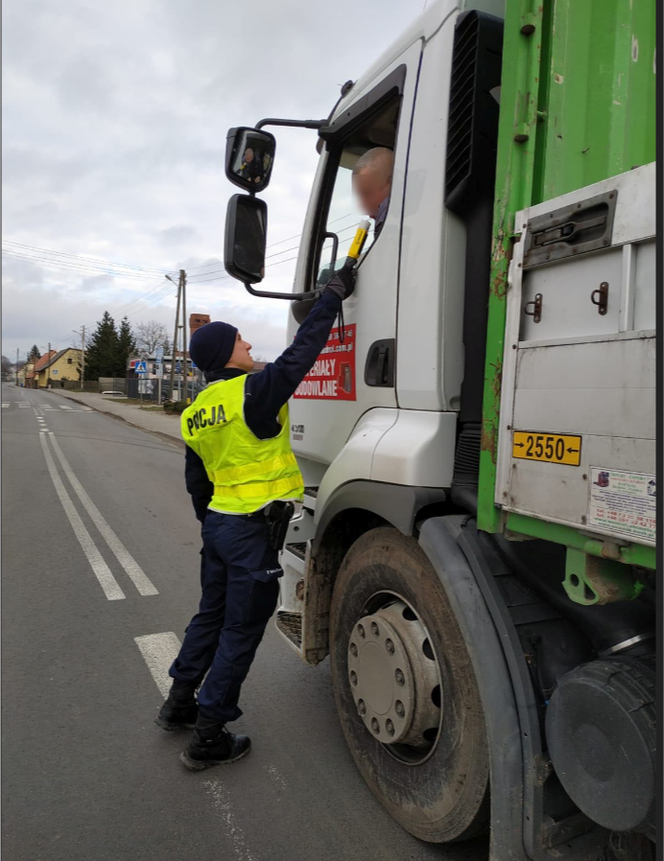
(141, 367)
(159, 354)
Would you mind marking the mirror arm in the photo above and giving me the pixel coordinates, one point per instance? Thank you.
(297, 124)
(291, 297)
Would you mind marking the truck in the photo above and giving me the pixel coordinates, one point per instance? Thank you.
(476, 550)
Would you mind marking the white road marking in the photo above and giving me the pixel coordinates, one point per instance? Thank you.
(159, 651)
(124, 557)
(24, 406)
(101, 570)
(276, 776)
(4, 406)
(63, 407)
(221, 800)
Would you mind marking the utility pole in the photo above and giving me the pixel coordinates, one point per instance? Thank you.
(175, 333)
(48, 368)
(17, 367)
(82, 355)
(185, 326)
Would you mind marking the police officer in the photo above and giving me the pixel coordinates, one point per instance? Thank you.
(238, 461)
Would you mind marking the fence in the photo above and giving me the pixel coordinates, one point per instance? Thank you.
(112, 384)
(75, 385)
(148, 389)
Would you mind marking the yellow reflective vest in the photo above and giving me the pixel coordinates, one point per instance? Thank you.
(246, 472)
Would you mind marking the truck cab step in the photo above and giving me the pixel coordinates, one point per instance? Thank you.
(290, 625)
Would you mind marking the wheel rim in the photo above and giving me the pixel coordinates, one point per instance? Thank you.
(394, 678)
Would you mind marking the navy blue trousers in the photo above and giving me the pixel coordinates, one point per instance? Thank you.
(240, 589)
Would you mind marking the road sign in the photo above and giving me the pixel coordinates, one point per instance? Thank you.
(141, 367)
(159, 354)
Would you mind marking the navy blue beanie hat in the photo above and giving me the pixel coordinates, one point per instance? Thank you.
(211, 346)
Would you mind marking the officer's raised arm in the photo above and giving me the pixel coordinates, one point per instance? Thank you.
(272, 387)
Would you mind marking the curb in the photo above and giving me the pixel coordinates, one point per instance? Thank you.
(165, 436)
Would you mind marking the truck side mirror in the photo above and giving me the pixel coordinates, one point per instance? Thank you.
(249, 158)
(246, 233)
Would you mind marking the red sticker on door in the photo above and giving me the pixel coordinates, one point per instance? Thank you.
(333, 374)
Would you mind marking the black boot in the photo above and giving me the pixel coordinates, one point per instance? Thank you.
(180, 709)
(212, 744)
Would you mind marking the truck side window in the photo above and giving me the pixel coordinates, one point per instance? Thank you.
(377, 138)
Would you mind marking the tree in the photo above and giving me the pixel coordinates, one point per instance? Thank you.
(151, 335)
(126, 348)
(6, 366)
(102, 354)
(34, 354)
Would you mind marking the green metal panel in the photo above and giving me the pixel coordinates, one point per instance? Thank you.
(600, 113)
(522, 89)
(577, 106)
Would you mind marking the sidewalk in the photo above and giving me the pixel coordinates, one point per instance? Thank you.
(153, 421)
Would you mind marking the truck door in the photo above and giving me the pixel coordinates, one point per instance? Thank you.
(356, 371)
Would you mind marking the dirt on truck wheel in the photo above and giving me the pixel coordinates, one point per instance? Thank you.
(406, 692)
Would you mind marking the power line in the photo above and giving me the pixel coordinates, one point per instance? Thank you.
(202, 280)
(73, 267)
(271, 245)
(127, 309)
(80, 257)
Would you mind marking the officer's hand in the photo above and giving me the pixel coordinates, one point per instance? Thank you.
(343, 283)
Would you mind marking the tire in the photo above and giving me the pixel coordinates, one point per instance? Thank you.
(444, 795)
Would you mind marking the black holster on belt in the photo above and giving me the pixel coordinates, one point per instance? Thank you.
(278, 515)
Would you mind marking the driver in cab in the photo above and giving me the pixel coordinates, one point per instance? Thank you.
(372, 184)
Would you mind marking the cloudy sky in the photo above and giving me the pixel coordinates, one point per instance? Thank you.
(114, 119)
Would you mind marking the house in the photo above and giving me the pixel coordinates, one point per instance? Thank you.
(58, 368)
(25, 374)
(32, 376)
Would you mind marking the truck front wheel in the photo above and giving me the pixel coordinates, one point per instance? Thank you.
(406, 691)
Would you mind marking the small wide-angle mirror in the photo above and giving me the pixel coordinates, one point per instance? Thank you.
(246, 233)
(249, 157)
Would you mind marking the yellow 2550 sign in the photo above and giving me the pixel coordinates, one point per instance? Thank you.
(547, 447)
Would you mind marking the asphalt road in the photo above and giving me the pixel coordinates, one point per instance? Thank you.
(99, 579)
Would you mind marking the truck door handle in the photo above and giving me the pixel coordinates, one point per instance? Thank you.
(379, 368)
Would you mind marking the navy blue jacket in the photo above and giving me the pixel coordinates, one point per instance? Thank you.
(267, 391)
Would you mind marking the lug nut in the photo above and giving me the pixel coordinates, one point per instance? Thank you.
(353, 650)
(399, 709)
(361, 707)
(389, 645)
(399, 676)
(360, 631)
(375, 725)
(353, 677)
(389, 726)
(374, 629)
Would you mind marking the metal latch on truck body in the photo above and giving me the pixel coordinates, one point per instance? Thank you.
(570, 230)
